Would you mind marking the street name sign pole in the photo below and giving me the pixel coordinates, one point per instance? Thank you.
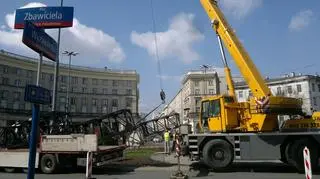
(38, 40)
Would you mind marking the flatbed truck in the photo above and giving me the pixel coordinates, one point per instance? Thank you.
(60, 151)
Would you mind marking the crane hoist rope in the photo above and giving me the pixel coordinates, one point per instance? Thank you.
(162, 93)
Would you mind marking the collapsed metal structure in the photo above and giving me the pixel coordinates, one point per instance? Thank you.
(119, 126)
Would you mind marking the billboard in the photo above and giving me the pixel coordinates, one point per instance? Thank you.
(38, 40)
(45, 17)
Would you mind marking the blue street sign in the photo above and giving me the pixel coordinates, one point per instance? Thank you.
(45, 17)
(37, 94)
(38, 40)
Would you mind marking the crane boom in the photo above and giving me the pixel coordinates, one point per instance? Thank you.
(246, 66)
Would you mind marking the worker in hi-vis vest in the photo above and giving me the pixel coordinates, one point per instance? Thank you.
(166, 142)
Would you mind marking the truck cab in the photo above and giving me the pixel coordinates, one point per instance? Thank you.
(219, 114)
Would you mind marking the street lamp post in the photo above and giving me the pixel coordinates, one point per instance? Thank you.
(205, 67)
(69, 53)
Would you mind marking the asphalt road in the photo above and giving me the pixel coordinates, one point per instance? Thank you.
(247, 171)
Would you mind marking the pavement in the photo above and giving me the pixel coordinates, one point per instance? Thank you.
(244, 169)
(170, 159)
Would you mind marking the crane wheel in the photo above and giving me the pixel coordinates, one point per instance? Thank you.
(48, 163)
(218, 154)
(295, 153)
(288, 154)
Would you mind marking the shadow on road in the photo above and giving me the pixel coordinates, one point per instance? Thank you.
(123, 167)
(265, 167)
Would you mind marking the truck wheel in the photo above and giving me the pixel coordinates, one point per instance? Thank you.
(288, 154)
(218, 154)
(296, 152)
(48, 163)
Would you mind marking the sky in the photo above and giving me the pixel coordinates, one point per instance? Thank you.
(280, 37)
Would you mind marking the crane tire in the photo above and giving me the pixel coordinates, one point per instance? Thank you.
(48, 163)
(218, 154)
(288, 154)
(296, 152)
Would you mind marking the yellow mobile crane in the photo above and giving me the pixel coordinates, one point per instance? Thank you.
(234, 130)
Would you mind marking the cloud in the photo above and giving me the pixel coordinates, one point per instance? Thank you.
(301, 20)
(176, 42)
(240, 8)
(93, 44)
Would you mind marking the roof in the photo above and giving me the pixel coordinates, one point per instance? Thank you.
(281, 80)
(84, 68)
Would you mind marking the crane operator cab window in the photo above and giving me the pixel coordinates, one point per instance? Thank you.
(210, 109)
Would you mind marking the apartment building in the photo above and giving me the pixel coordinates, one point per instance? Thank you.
(91, 90)
(305, 87)
(196, 84)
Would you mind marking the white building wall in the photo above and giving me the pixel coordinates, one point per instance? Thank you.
(289, 87)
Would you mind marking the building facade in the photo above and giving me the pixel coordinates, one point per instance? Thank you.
(91, 90)
(196, 84)
(305, 87)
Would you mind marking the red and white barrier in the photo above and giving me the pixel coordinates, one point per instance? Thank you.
(89, 165)
(178, 146)
(307, 163)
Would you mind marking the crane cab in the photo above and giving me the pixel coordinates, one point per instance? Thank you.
(219, 114)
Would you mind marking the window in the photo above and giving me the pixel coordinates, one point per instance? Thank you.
(17, 82)
(197, 91)
(319, 87)
(105, 91)
(105, 82)
(18, 71)
(313, 87)
(5, 69)
(114, 103)
(5, 81)
(62, 99)
(129, 83)
(114, 83)
(210, 82)
(74, 89)
(240, 94)
(211, 91)
(278, 90)
(315, 101)
(84, 81)
(114, 91)
(196, 83)
(83, 101)
(289, 89)
(95, 81)
(129, 92)
(74, 80)
(4, 94)
(94, 90)
(29, 73)
(84, 90)
(299, 89)
(72, 100)
(43, 76)
(94, 102)
(63, 79)
(128, 102)
(105, 102)
(51, 77)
